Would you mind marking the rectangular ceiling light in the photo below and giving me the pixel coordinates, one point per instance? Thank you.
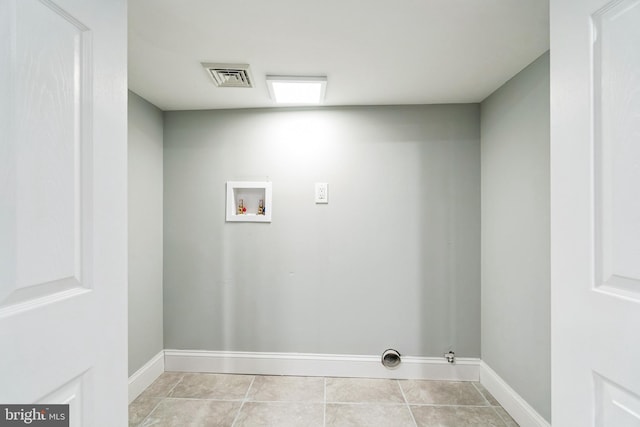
(290, 90)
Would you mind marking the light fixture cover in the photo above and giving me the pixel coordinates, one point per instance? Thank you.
(297, 90)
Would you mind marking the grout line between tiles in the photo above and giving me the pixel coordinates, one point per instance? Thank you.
(301, 402)
(246, 396)
(324, 413)
(150, 412)
(406, 402)
(481, 394)
(205, 399)
(174, 386)
(495, 409)
(452, 405)
(383, 404)
(162, 398)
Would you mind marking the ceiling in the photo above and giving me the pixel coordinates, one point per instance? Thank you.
(373, 52)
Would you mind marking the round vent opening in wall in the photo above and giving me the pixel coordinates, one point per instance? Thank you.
(391, 358)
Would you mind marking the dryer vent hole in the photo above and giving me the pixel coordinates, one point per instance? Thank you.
(391, 358)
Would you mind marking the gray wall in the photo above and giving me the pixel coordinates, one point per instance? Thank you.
(392, 261)
(515, 234)
(145, 232)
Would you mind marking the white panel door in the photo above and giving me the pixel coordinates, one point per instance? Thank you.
(63, 230)
(595, 213)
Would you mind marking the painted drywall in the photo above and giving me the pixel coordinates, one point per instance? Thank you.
(515, 234)
(145, 231)
(391, 261)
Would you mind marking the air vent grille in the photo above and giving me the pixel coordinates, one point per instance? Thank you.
(229, 75)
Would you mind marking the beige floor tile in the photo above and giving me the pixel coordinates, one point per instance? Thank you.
(162, 386)
(212, 386)
(271, 414)
(179, 399)
(456, 416)
(378, 415)
(192, 413)
(140, 408)
(363, 390)
(506, 417)
(287, 389)
(492, 400)
(441, 393)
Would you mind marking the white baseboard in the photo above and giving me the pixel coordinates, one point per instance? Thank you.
(511, 401)
(143, 377)
(325, 365)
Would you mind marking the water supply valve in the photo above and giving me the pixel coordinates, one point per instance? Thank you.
(450, 356)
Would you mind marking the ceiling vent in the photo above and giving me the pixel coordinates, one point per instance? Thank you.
(229, 75)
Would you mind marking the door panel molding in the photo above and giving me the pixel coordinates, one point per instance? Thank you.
(616, 128)
(73, 393)
(615, 405)
(49, 159)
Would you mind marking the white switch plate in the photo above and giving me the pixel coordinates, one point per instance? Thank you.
(322, 192)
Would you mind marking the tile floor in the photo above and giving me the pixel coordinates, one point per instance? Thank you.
(188, 399)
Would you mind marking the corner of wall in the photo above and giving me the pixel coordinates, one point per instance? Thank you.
(515, 251)
(145, 187)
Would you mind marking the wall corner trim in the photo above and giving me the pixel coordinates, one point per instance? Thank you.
(332, 365)
(146, 375)
(511, 401)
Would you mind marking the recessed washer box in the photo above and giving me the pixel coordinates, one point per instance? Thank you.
(244, 200)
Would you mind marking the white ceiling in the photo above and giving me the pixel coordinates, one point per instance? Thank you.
(373, 52)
